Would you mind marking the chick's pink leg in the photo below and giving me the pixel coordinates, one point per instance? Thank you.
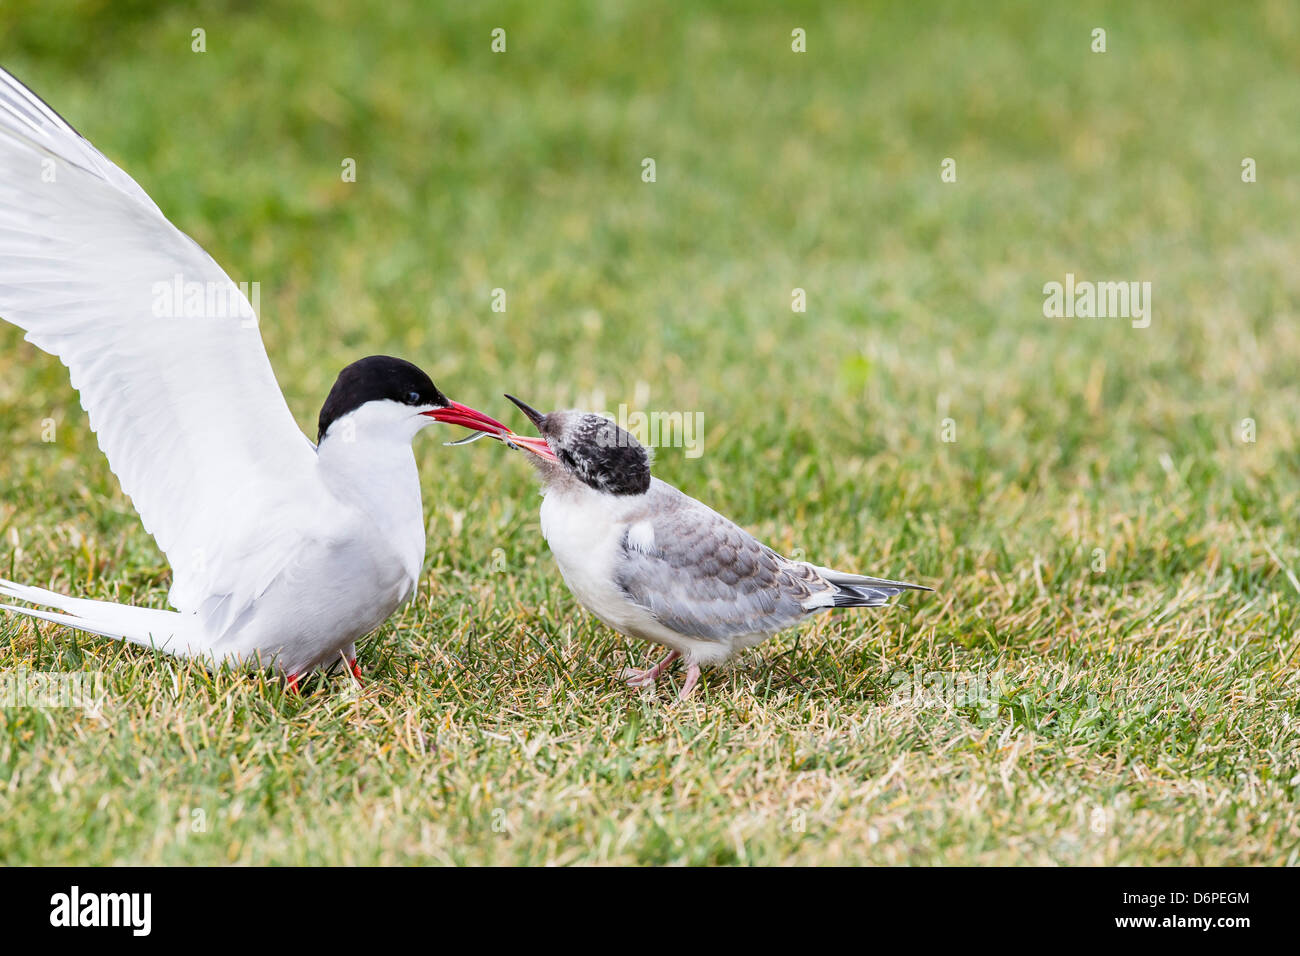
(692, 677)
(638, 678)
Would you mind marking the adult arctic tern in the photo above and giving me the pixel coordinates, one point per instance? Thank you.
(654, 563)
(283, 552)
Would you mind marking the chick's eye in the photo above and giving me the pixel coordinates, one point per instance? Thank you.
(413, 398)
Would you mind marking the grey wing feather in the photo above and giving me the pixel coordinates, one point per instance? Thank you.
(707, 578)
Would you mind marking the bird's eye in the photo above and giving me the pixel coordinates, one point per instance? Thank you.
(413, 398)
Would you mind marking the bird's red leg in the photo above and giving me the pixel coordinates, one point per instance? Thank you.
(291, 681)
(636, 678)
(356, 671)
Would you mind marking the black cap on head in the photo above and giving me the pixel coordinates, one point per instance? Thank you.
(598, 452)
(377, 378)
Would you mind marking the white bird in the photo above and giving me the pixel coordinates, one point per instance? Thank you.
(654, 563)
(283, 553)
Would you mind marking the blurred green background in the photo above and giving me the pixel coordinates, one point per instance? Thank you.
(775, 170)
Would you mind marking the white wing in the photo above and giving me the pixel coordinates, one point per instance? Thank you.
(187, 409)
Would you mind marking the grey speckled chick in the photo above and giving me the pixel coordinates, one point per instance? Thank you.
(656, 564)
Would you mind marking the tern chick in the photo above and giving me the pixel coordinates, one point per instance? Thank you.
(654, 563)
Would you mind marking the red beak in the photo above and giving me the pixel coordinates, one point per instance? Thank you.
(457, 414)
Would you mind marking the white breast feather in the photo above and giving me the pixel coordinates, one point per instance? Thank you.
(641, 537)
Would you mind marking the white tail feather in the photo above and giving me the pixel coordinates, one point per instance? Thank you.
(165, 630)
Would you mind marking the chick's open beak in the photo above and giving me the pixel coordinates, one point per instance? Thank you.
(537, 445)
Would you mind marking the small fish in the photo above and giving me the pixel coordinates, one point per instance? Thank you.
(468, 439)
(475, 436)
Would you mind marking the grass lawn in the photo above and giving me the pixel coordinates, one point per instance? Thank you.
(1107, 672)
